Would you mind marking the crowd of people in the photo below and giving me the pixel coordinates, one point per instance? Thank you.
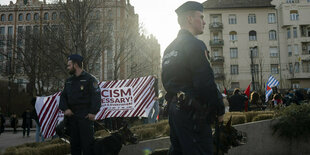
(257, 101)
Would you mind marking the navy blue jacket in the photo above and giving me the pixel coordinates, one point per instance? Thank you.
(82, 91)
(185, 67)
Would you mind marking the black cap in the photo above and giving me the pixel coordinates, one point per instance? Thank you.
(189, 6)
(75, 57)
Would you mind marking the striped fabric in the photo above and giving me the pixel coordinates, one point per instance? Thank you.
(272, 82)
(119, 98)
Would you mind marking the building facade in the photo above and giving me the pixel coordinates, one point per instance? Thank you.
(249, 40)
(34, 14)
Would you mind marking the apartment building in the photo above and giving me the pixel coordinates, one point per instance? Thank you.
(249, 40)
(34, 14)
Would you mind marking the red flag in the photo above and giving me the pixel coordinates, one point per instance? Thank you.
(225, 91)
(247, 93)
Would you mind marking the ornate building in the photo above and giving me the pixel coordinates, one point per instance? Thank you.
(129, 54)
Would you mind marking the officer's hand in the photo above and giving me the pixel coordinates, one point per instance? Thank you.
(91, 117)
(68, 112)
(221, 118)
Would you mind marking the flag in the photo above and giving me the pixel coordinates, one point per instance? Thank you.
(225, 91)
(272, 82)
(119, 98)
(247, 93)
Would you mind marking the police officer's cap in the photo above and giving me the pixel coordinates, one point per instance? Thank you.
(189, 6)
(75, 57)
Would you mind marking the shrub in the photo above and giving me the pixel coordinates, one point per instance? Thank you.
(293, 122)
(238, 119)
(260, 117)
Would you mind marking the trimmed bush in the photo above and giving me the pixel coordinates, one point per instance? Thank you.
(238, 119)
(293, 122)
(51, 147)
(262, 117)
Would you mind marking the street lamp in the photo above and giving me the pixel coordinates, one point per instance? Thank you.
(252, 66)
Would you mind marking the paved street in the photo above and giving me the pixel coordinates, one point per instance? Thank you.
(8, 139)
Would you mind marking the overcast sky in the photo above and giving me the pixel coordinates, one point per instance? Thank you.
(156, 16)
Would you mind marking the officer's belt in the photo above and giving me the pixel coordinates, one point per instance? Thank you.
(78, 107)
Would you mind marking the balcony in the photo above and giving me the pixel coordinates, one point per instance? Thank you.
(216, 42)
(216, 26)
(219, 76)
(217, 59)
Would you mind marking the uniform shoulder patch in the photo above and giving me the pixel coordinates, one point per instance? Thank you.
(168, 56)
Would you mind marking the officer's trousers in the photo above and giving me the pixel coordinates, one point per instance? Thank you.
(81, 133)
(187, 137)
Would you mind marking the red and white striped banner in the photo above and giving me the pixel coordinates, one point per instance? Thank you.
(119, 98)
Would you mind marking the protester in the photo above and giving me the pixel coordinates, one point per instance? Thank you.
(237, 101)
(14, 122)
(36, 119)
(27, 123)
(2, 121)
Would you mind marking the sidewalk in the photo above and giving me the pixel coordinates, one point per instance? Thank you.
(8, 139)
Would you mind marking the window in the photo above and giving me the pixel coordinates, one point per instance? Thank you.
(46, 16)
(233, 52)
(252, 35)
(274, 69)
(20, 17)
(28, 29)
(288, 33)
(306, 66)
(36, 29)
(61, 15)
(273, 51)
(296, 49)
(272, 35)
(296, 67)
(3, 17)
(235, 85)
(10, 18)
(254, 52)
(294, 15)
(252, 18)
(2, 30)
(295, 85)
(295, 32)
(232, 19)
(19, 29)
(234, 69)
(28, 17)
(292, 1)
(36, 16)
(289, 50)
(271, 18)
(233, 35)
(254, 68)
(54, 16)
(10, 30)
(290, 68)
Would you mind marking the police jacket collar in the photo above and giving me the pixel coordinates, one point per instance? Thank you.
(82, 74)
(185, 32)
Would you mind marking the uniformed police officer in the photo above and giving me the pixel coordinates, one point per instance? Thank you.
(186, 71)
(80, 101)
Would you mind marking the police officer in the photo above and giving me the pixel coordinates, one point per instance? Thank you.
(80, 101)
(186, 70)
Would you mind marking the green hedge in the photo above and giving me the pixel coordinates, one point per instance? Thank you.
(293, 122)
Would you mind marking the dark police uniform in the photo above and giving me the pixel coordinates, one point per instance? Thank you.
(82, 95)
(185, 68)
